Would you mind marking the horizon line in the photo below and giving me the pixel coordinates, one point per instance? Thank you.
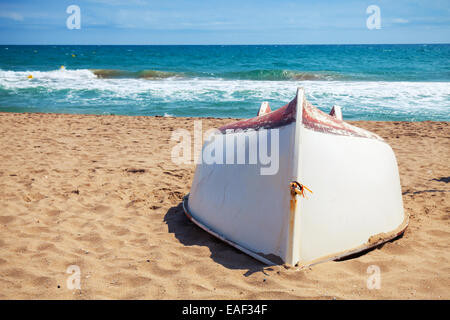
(223, 44)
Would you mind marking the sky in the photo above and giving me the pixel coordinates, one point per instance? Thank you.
(141, 22)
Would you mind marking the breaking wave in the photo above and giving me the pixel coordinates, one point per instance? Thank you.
(280, 75)
(255, 75)
(84, 91)
(143, 74)
(263, 75)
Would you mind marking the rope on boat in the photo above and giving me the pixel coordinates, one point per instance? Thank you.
(298, 188)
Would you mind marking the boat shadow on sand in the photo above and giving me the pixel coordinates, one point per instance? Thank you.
(191, 235)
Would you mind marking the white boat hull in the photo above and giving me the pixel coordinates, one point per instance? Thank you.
(355, 203)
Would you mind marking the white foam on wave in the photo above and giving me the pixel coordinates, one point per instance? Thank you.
(17, 77)
(352, 95)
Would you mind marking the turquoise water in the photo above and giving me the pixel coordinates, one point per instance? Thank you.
(370, 82)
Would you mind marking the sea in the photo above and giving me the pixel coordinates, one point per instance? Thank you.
(369, 82)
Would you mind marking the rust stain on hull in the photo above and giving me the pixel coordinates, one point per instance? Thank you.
(293, 205)
(292, 215)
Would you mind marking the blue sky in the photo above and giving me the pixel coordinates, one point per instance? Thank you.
(224, 22)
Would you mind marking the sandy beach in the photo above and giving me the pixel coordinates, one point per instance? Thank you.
(102, 193)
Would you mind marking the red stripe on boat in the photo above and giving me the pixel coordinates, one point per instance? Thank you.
(319, 121)
(312, 118)
(274, 119)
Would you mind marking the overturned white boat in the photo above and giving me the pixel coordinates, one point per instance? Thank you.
(335, 191)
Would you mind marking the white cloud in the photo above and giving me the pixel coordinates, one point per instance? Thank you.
(120, 2)
(11, 15)
(400, 20)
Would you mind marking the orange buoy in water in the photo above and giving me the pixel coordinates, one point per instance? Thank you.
(30, 76)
